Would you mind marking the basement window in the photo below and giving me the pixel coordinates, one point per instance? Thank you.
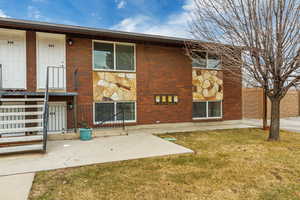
(112, 112)
(113, 56)
(207, 109)
(207, 61)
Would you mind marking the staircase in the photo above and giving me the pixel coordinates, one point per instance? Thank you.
(21, 125)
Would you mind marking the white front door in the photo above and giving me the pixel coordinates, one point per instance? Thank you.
(57, 117)
(51, 52)
(13, 59)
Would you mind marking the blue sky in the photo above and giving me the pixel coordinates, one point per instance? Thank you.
(161, 17)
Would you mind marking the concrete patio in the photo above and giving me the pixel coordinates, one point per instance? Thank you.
(17, 171)
(72, 153)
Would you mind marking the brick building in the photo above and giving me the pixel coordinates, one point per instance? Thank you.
(94, 73)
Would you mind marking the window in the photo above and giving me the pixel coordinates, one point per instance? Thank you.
(103, 56)
(207, 109)
(205, 60)
(114, 56)
(199, 109)
(125, 57)
(214, 109)
(129, 111)
(104, 111)
(199, 59)
(112, 111)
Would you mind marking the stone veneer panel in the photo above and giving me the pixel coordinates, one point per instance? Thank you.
(114, 86)
(207, 85)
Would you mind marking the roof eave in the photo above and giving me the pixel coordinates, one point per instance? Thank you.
(44, 26)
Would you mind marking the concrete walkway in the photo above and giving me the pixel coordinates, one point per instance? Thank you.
(290, 124)
(16, 187)
(188, 127)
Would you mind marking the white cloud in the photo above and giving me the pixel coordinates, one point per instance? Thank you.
(176, 24)
(132, 24)
(121, 4)
(33, 12)
(2, 14)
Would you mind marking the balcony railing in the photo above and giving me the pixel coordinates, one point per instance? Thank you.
(57, 77)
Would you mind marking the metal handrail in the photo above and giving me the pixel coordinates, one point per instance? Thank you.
(113, 117)
(75, 83)
(46, 113)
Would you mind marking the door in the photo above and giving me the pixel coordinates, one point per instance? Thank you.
(13, 59)
(51, 52)
(57, 117)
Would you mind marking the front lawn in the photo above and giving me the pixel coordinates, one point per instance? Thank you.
(228, 164)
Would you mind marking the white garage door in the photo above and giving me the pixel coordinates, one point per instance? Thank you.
(13, 59)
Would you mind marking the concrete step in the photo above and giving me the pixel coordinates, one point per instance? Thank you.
(6, 114)
(23, 148)
(20, 130)
(20, 106)
(30, 138)
(21, 121)
(21, 99)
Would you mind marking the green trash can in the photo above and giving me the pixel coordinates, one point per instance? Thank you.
(85, 133)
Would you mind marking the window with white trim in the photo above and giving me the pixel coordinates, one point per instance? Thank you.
(113, 56)
(205, 60)
(207, 109)
(112, 111)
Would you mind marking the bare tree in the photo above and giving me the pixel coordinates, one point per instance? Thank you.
(264, 33)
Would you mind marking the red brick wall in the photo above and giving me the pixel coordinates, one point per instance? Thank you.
(31, 60)
(160, 70)
(232, 102)
(163, 70)
(79, 56)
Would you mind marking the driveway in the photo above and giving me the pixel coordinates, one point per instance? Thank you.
(289, 124)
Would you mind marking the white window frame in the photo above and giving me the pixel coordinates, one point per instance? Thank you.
(115, 58)
(115, 109)
(203, 118)
(206, 59)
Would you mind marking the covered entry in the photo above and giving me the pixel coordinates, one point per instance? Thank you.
(57, 117)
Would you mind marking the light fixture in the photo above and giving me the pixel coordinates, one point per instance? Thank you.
(70, 42)
(70, 106)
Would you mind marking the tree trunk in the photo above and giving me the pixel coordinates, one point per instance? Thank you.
(274, 133)
(265, 110)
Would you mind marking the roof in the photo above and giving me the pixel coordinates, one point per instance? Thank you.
(45, 26)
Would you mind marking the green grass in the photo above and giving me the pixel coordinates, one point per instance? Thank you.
(227, 164)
